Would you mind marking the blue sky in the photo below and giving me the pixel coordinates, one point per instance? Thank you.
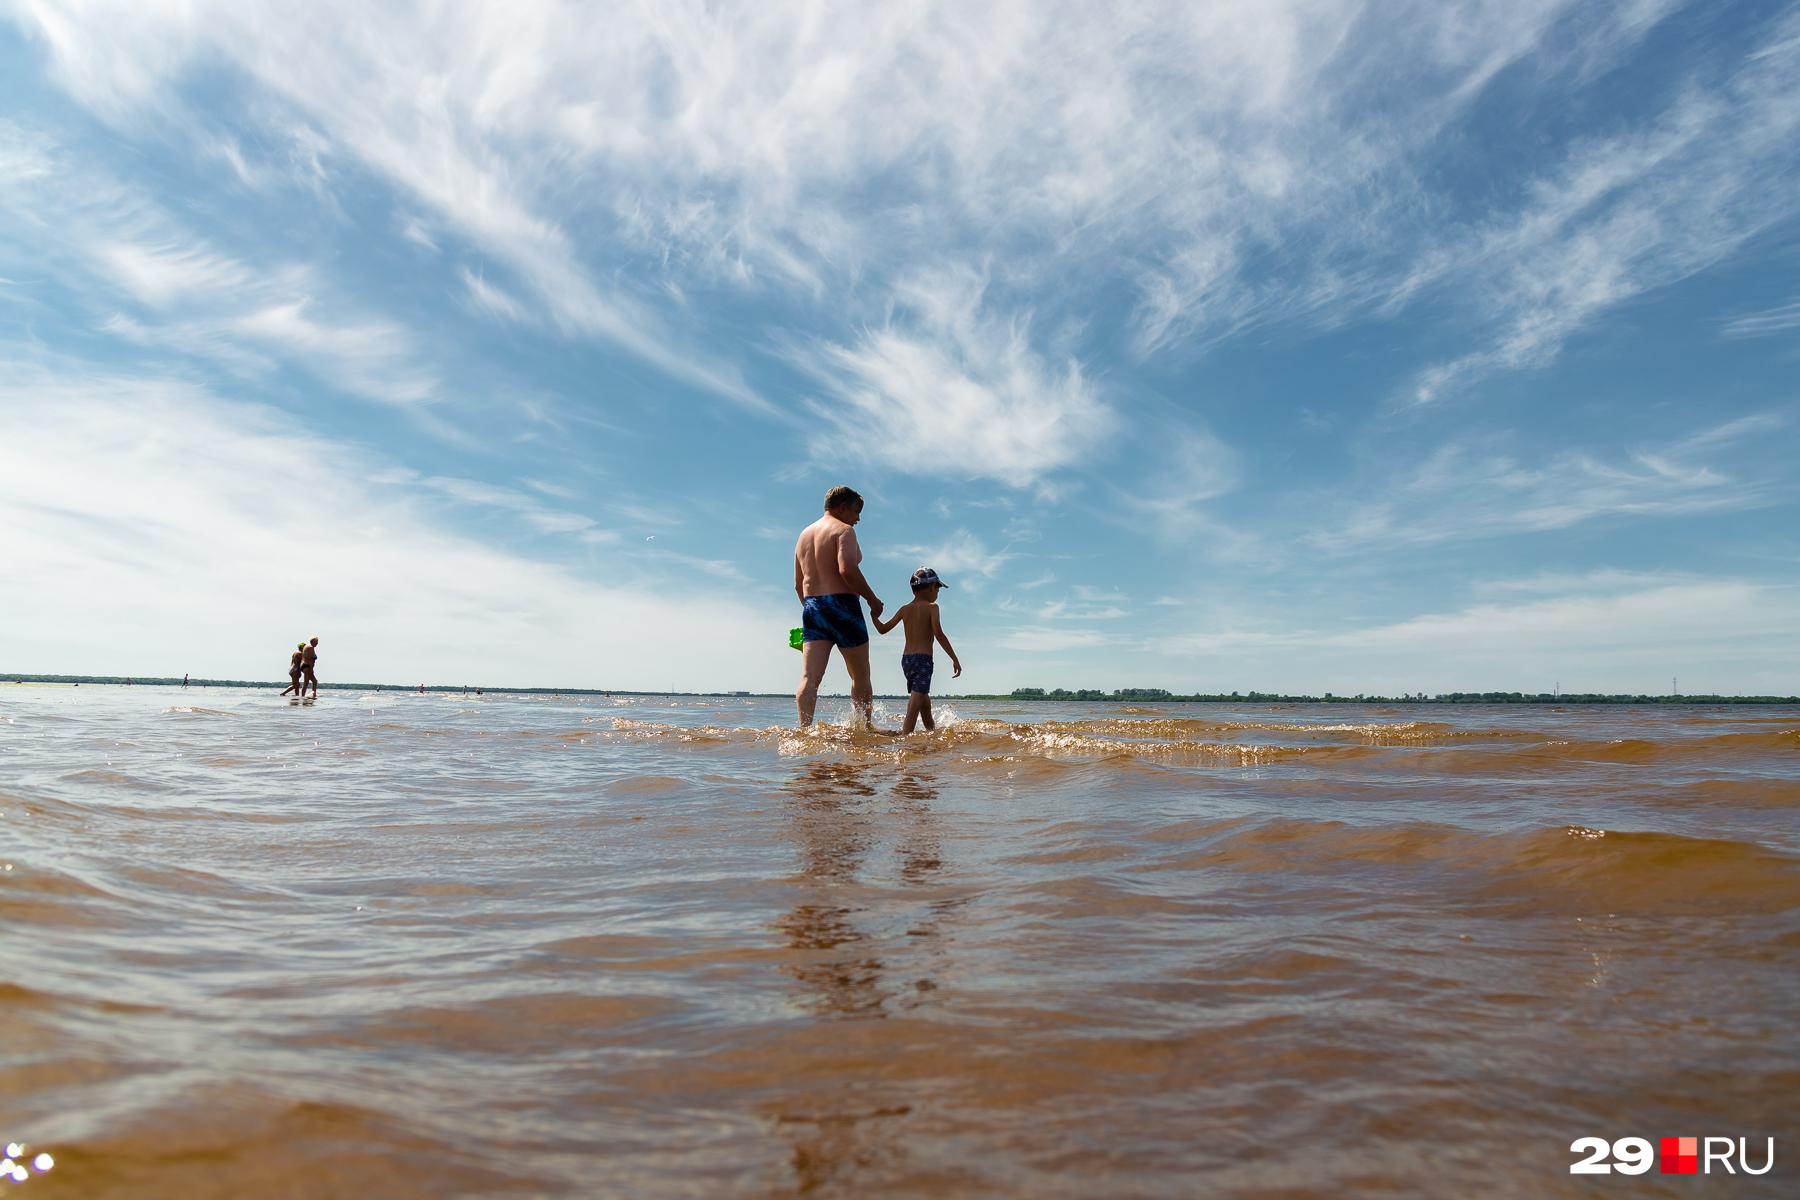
(1211, 346)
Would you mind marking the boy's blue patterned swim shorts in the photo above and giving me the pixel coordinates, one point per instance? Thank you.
(837, 619)
(917, 669)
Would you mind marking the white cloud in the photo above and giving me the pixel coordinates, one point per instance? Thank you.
(1234, 162)
(1067, 610)
(1663, 617)
(539, 516)
(159, 273)
(190, 296)
(961, 554)
(1624, 215)
(958, 391)
(1051, 641)
(130, 504)
(1171, 481)
(1781, 319)
(490, 298)
(1472, 488)
(1609, 631)
(374, 359)
(419, 234)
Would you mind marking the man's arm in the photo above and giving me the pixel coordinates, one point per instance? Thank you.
(937, 623)
(799, 578)
(849, 560)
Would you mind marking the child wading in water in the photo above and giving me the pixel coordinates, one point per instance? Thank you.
(923, 625)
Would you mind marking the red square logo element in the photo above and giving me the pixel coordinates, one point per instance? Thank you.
(1681, 1156)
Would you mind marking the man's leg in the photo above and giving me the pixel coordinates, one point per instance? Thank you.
(925, 710)
(813, 657)
(862, 695)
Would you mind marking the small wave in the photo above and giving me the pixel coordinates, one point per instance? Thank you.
(980, 738)
(105, 778)
(194, 710)
(1573, 868)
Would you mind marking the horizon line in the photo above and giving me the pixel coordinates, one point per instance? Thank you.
(1030, 695)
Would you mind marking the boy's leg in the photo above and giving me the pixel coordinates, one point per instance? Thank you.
(913, 702)
(813, 657)
(925, 710)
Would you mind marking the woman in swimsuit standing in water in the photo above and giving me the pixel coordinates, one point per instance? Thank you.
(294, 670)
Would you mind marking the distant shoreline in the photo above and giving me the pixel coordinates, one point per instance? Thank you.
(1130, 696)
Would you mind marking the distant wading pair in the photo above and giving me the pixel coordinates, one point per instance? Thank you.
(300, 669)
(829, 581)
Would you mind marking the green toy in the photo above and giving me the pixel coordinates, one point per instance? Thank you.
(795, 637)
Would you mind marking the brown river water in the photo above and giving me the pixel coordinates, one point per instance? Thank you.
(397, 945)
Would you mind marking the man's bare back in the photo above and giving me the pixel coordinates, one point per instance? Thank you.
(824, 557)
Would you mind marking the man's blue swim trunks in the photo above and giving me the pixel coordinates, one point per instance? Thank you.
(917, 669)
(837, 619)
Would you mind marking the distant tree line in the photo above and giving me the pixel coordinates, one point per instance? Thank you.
(1164, 695)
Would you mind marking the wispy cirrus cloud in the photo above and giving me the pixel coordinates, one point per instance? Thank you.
(1473, 488)
(187, 295)
(955, 390)
(1227, 165)
(1781, 319)
(158, 273)
(491, 299)
(960, 554)
(1039, 640)
(540, 516)
(376, 359)
(1625, 215)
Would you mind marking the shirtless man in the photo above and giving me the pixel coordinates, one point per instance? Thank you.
(309, 659)
(828, 580)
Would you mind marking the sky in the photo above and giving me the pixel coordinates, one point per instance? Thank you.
(1322, 345)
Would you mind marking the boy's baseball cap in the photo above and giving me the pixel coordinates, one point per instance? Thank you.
(925, 577)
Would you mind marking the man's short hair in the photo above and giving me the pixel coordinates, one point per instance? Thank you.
(842, 497)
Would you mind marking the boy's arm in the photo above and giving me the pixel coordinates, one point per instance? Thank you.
(937, 623)
(899, 615)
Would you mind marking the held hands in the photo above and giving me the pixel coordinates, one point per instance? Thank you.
(874, 607)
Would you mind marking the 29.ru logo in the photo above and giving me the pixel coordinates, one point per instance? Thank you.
(1680, 1156)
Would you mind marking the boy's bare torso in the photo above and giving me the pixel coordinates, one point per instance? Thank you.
(823, 546)
(919, 618)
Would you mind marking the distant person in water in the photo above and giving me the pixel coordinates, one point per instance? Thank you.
(829, 581)
(924, 625)
(309, 660)
(294, 669)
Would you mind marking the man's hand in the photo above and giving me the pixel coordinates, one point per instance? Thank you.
(958, 667)
(874, 607)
